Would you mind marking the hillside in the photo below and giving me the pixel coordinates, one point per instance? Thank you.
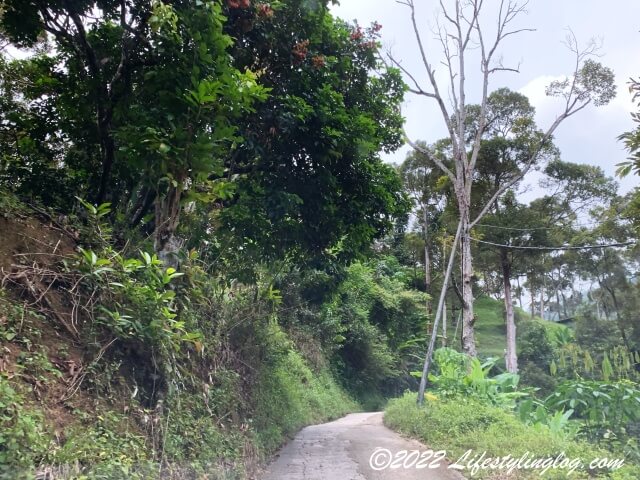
(78, 401)
(116, 366)
(491, 329)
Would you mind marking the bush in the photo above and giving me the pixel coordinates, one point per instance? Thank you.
(534, 376)
(103, 445)
(197, 438)
(459, 374)
(606, 410)
(289, 396)
(367, 321)
(459, 424)
(23, 441)
(534, 345)
(595, 334)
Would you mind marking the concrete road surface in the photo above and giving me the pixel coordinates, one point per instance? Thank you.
(342, 450)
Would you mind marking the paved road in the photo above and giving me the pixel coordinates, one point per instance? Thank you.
(341, 450)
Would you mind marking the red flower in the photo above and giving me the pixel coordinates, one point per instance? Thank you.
(265, 10)
(357, 34)
(238, 3)
(300, 51)
(318, 61)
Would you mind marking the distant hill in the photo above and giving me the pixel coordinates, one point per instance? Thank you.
(490, 327)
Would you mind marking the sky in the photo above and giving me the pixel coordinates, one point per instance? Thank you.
(588, 137)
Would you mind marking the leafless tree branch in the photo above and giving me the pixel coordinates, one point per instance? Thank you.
(431, 157)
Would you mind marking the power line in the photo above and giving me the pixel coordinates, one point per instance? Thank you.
(567, 247)
(500, 227)
(513, 228)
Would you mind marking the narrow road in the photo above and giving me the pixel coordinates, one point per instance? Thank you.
(341, 450)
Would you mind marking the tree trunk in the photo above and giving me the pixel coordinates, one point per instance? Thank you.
(519, 293)
(444, 324)
(432, 340)
(565, 312)
(414, 261)
(511, 357)
(167, 218)
(558, 301)
(427, 261)
(108, 151)
(468, 318)
(605, 308)
(533, 304)
(142, 207)
(458, 321)
(444, 306)
(619, 322)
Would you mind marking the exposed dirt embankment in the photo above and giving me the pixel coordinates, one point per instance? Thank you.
(40, 347)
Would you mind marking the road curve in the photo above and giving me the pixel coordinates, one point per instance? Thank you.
(341, 450)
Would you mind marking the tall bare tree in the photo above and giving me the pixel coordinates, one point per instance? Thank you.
(462, 29)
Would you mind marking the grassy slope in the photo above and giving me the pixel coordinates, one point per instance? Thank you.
(459, 424)
(490, 327)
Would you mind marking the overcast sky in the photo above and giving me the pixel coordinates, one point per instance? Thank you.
(588, 137)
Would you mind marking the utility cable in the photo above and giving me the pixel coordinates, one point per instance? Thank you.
(565, 247)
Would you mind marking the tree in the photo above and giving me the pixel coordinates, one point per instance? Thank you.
(631, 139)
(510, 142)
(518, 234)
(145, 105)
(424, 186)
(109, 77)
(589, 83)
(611, 268)
(309, 182)
(507, 232)
(253, 128)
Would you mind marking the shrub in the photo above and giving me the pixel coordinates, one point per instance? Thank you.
(101, 439)
(534, 345)
(197, 438)
(289, 395)
(23, 440)
(459, 424)
(595, 334)
(606, 410)
(531, 374)
(462, 375)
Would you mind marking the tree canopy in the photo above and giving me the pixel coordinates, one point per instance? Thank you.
(266, 121)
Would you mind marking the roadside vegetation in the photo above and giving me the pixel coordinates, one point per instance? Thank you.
(459, 424)
(468, 408)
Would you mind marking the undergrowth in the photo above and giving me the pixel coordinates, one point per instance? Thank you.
(290, 395)
(220, 414)
(459, 424)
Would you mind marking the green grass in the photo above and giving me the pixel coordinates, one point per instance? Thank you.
(458, 424)
(490, 328)
(290, 396)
